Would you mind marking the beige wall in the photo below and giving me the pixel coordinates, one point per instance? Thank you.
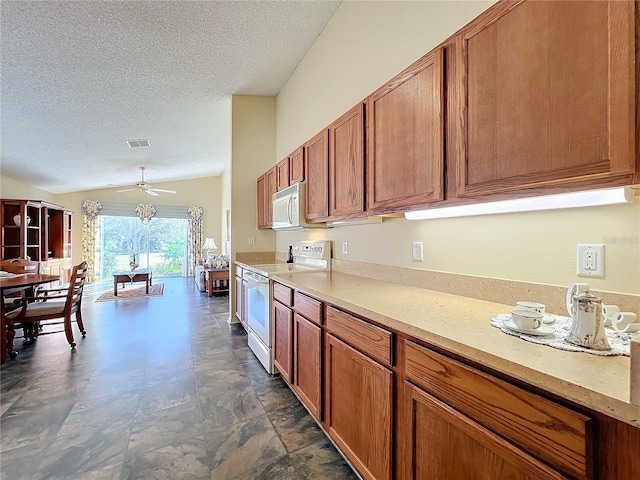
(364, 45)
(252, 153)
(10, 188)
(204, 192)
(225, 202)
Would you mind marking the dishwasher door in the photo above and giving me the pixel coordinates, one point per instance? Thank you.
(258, 307)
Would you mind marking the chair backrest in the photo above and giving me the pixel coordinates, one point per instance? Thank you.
(76, 286)
(20, 265)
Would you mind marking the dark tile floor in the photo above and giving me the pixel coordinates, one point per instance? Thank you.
(160, 388)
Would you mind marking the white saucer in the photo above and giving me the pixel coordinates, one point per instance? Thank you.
(543, 330)
(548, 318)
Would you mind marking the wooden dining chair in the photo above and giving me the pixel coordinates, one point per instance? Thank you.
(38, 309)
(16, 266)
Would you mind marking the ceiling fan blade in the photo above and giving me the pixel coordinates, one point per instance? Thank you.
(163, 191)
(151, 192)
(126, 190)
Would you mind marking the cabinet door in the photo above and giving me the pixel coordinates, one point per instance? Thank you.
(546, 92)
(308, 359)
(270, 181)
(346, 164)
(245, 297)
(283, 342)
(317, 160)
(444, 444)
(282, 174)
(296, 166)
(359, 406)
(238, 302)
(261, 197)
(405, 135)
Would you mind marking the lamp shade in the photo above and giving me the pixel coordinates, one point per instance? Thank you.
(209, 244)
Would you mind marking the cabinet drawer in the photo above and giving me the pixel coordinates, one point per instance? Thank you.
(545, 429)
(308, 307)
(369, 339)
(283, 294)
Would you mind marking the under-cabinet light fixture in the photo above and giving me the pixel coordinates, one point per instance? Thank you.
(355, 221)
(588, 198)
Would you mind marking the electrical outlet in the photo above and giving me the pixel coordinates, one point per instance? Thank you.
(252, 240)
(417, 252)
(590, 260)
(345, 248)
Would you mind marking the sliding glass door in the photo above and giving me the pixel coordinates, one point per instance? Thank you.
(161, 244)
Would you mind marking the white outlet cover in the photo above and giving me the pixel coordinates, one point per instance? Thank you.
(596, 253)
(417, 253)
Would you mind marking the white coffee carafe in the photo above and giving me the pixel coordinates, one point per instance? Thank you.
(587, 326)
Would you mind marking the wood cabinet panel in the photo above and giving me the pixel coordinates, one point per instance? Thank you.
(283, 340)
(359, 409)
(239, 300)
(296, 166)
(547, 95)
(346, 164)
(546, 429)
(405, 138)
(307, 367)
(374, 341)
(316, 154)
(261, 197)
(282, 174)
(283, 294)
(270, 181)
(446, 444)
(308, 307)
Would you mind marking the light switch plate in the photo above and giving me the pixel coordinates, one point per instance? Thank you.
(590, 260)
(345, 248)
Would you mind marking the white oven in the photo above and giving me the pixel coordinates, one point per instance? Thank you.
(307, 256)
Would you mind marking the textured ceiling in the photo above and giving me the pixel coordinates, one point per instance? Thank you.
(80, 78)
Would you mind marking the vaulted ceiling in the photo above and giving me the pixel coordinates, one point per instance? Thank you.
(80, 78)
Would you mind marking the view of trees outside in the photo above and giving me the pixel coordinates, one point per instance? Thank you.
(161, 245)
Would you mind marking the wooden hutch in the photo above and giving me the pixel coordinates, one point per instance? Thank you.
(45, 237)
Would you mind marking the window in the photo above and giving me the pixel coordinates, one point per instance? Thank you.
(161, 244)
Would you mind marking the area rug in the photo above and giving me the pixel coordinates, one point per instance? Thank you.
(132, 291)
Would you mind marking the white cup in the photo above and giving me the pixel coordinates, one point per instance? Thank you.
(531, 306)
(526, 319)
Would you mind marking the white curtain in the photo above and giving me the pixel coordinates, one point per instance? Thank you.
(90, 232)
(194, 238)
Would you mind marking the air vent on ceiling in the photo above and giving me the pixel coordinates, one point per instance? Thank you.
(138, 143)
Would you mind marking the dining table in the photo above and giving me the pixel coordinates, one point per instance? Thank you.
(16, 282)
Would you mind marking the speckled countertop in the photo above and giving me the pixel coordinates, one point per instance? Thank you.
(462, 325)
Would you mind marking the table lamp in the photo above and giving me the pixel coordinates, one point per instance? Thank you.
(209, 245)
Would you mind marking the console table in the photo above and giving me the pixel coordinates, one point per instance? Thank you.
(217, 280)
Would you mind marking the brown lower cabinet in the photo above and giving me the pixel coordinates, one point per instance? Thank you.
(359, 408)
(307, 362)
(446, 444)
(283, 343)
(398, 409)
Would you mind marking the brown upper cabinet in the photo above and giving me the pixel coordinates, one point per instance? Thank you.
(316, 154)
(266, 186)
(546, 96)
(282, 174)
(296, 166)
(291, 169)
(346, 165)
(405, 138)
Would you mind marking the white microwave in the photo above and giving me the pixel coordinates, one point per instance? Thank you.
(289, 209)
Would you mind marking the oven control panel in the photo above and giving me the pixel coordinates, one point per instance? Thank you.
(309, 249)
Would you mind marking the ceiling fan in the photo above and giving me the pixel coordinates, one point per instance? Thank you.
(145, 187)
